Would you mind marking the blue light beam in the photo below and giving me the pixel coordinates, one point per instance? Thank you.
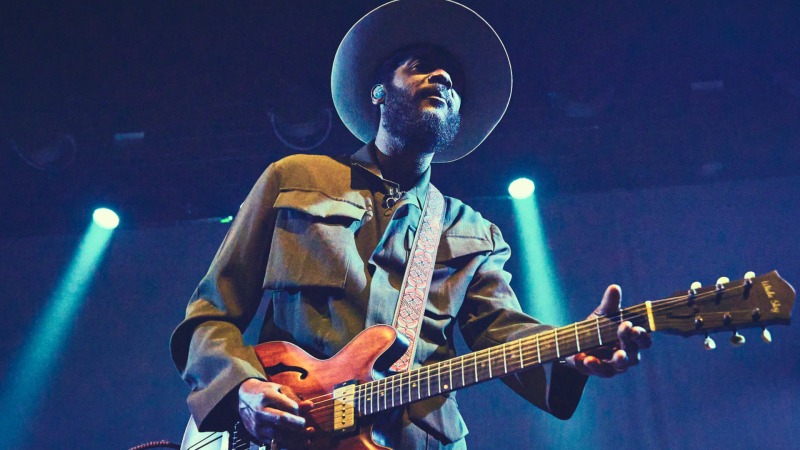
(541, 295)
(28, 377)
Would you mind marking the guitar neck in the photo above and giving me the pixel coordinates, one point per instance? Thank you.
(494, 362)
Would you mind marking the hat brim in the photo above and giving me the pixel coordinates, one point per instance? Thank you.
(446, 24)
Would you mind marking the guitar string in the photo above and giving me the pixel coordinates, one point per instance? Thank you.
(579, 327)
(404, 381)
(324, 406)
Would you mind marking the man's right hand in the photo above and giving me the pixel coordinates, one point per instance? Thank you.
(271, 413)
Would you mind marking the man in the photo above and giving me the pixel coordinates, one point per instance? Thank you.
(419, 82)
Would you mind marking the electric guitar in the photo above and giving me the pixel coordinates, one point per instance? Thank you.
(352, 386)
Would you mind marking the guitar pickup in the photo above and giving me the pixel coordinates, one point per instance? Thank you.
(344, 414)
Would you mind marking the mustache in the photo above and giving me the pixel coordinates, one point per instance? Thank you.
(438, 90)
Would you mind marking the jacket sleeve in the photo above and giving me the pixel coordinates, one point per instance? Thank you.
(491, 315)
(207, 346)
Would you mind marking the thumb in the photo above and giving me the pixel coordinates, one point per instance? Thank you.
(609, 305)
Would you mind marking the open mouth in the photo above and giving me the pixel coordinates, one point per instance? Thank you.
(434, 93)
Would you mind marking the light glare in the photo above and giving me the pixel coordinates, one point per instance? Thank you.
(521, 188)
(105, 218)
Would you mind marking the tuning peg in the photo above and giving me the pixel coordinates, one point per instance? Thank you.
(693, 291)
(766, 336)
(748, 277)
(709, 343)
(737, 339)
(721, 282)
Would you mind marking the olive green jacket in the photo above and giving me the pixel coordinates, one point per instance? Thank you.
(315, 232)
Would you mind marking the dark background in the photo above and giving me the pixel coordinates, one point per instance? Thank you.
(642, 179)
(607, 95)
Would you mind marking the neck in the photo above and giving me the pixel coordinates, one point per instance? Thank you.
(400, 162)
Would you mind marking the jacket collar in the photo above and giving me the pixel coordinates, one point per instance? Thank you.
(366, 160)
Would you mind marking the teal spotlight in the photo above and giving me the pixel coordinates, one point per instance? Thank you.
(521, 188)
(105, 218)
(29, 372)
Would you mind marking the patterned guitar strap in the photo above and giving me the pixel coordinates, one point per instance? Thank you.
(419, 272)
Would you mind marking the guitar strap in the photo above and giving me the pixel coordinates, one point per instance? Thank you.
(419, 272)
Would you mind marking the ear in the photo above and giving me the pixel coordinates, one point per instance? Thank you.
(378, 93)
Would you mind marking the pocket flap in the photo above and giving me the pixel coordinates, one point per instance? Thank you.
(454, 246)
(318, 203)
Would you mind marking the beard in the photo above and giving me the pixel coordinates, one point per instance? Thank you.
(413, 127)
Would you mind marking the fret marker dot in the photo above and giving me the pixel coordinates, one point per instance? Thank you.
(446, 386)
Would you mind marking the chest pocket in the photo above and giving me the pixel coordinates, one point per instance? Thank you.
(457, 259)
(313, 244)
(456, 250)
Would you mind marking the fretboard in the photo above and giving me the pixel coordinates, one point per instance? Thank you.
(494, 362)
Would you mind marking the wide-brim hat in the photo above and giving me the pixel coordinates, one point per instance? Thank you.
(446, 24)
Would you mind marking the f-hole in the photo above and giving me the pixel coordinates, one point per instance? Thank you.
(281, 368)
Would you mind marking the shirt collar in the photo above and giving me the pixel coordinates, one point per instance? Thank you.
(365, 159)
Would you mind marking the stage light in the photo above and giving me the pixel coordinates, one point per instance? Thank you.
(521, 188)
(36, 361)
(105, 218)
(540, 292)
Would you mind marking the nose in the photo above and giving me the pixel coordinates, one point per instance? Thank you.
(440, 76)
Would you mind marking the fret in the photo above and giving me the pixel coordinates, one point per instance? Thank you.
(428, 379)
(489, 358)
(409, 383)
(385, 396)
(378, 394)
(370, 399)
(359, 403)
(577, 338)
(475, 356)
(538, 352)
(463, 381)
(399, 389)
(505, 366)
(393, 391)
(419, 385)
(521, 359)
(365, 399)
(450, 371)
(439, 377)
(409, 387)
(364, 392)
(555, 339)
(599, 334)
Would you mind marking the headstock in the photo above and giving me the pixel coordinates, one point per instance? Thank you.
(752, 302)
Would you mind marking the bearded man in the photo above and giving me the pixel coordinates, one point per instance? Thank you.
(330, 239)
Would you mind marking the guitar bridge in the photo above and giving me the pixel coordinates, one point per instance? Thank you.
(344, 413)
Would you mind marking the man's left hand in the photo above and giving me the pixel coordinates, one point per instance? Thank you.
(607, 362)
